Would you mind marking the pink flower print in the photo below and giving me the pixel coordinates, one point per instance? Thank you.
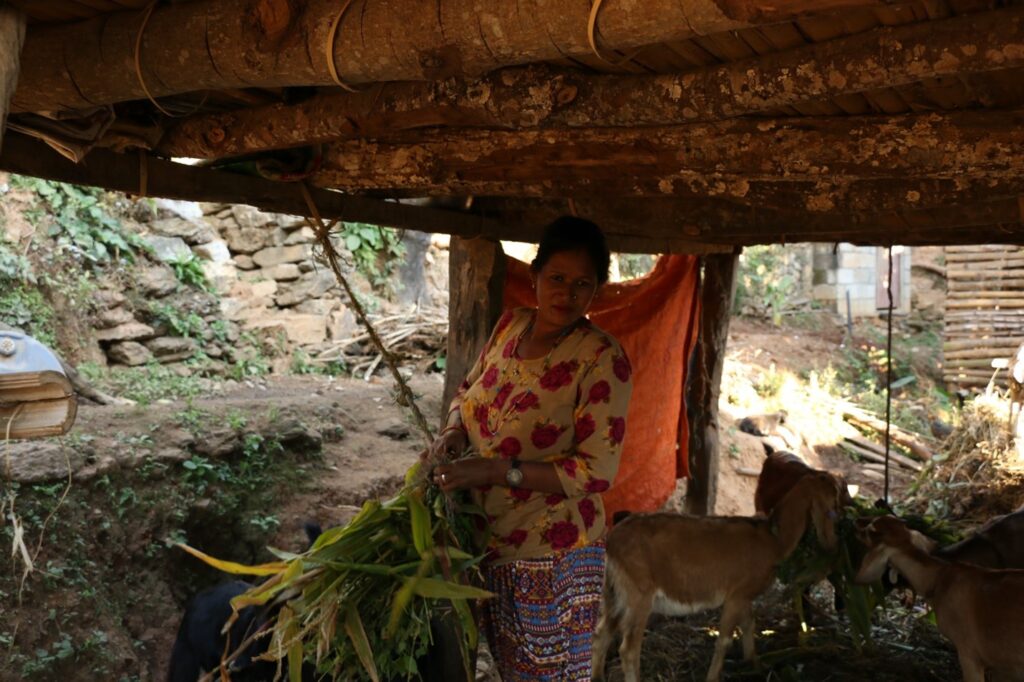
(502, 396)
(509, 348)
(545, 436)
(562, 535)
(480, 415)
(553, 499)
(597, 485)
(569, 465)
(617, 430)
(558, 376)
(525, 400)
(490, 377)
(622, 368)
(599, 392)
(588, 511)
(585, 427)
(516, 537)
(510, 447)
(521, 494)
(502, 323)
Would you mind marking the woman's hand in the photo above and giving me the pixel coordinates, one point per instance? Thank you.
(446, 447)
(472, 472)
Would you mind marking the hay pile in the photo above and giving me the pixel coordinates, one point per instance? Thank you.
(979, 473)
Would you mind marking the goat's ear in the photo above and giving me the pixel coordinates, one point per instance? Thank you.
(873, 566)
(768, 448)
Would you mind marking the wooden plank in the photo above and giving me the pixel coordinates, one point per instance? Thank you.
(718, 289)
(12, 35)
(477, 281)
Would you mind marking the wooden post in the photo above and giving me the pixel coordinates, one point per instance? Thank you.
(12, 36)
(717, 291)
(476, 284)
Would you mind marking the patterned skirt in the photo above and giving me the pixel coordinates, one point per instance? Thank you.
(541, 621)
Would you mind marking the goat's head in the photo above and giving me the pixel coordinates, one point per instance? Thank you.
(884, 536)
(822, 492)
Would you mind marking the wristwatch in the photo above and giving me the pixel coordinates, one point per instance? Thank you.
(514, 475)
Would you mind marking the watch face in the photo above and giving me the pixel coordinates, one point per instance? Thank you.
(514, 477)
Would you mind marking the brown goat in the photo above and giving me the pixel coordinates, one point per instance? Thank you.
(683, 564)
(997, 544)
(779, 473)
(980, 610)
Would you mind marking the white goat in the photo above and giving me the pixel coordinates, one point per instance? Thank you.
(683, 564)
(980, 610)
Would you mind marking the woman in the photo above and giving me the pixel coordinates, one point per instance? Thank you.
(542, 418)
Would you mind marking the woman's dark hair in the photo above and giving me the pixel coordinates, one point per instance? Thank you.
(570, 233)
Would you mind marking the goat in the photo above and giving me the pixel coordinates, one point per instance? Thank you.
(1015, 381)
(980, 610)
(780, 472)
(687, 564)
(201, 642)
(997, 544)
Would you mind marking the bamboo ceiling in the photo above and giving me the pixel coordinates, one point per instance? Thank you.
(720, 122)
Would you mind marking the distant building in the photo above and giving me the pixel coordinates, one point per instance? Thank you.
(860, 271)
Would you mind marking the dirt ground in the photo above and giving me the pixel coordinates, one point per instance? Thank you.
(125, 583)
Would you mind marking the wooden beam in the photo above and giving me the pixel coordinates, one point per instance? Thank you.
(121, 173)
(221, 44)
(476, 287)
(710, 159)
(542, 97)
(717, 291)
(12, 35)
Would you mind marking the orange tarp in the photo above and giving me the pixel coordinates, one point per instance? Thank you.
(655, 320)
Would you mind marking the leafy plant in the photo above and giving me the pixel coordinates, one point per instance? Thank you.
(14, 267)
(766, 281)
(189, 272)
(189, 324)
(27, 308)
(80, 222)
(373, 248)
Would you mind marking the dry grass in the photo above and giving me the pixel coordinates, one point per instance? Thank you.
(980, 472)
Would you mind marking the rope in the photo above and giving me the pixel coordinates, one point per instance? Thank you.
(329, 47)
(143, 173)
(146, 13)
(595, 9)
(888, 375)
(323, 230)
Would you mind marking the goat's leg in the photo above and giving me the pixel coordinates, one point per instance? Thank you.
(633, 624)
(732, 613)
(972, 667)
(607, 628)
(747, 630)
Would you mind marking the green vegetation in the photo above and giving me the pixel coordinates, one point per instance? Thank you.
(375, 249)
(189, 272)
(27, 308)
(187, 324)
(80, 221)
(766, 282)
(144, 385)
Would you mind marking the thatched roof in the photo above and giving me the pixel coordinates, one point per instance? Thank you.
(677, 124)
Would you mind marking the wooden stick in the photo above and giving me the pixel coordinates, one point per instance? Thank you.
(868, 446)
(898, 435)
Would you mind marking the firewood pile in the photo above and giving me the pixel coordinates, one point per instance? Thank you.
(984, 311)
(418, 338)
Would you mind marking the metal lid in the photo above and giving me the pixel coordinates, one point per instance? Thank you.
(22, 353)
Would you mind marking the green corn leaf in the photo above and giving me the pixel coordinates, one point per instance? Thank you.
(422, 532)
(433, 588)
(357, 634)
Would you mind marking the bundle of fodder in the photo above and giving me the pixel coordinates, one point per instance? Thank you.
(980, 471)
(810, 563)
(359, 603)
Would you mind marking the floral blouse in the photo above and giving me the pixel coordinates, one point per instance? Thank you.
(568, 408)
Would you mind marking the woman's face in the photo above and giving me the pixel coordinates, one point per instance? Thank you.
(566, 287)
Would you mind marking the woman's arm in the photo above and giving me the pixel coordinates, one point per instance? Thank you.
(477, 472)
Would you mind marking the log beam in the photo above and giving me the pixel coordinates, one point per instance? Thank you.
(476, 287)
(221, 44)
(717, 291)
(541, 97)
(12, 35)
(723, 159)
(122, 173)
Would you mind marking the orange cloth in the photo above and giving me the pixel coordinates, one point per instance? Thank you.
(655, 320)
